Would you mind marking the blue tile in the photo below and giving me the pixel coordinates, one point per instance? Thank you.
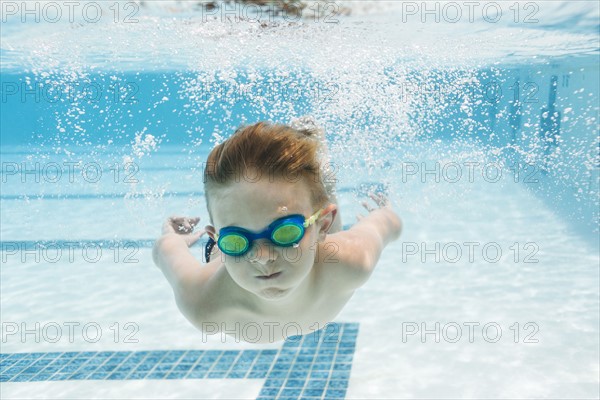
(322, 366)
(248, 355)
(295, 383)
(69, 368)
(32, 370)
(144, 367)
(290, 392)
(192, 356)
(117, 375)
(340, 393)
(98, 375)
(79, 375)
(274, 382)
(14, 370)
(21, 377)
(257, 374)
(125, 368)
(342, 367)
(236, 375)
(176, 375)
(338, 383)
(52, 355)
(211, 355)
(343, 358)
(312, 392)
(295, 374)
(61, 377)
(42, 377)
(340, 374)
(182, 367)
(96, 361)
(163, 367)
(156, 375)
(171, 358)
(245, 364)
(79, 361)
(217, 374)
(196, 374)
(324, 358)
(319, 374)
(279, 373)
(269, 392)
(316, 384)
(137, 375)
(105, 368)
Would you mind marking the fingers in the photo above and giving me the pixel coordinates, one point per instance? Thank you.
(183, 225)
(380, 200)
(367, 206)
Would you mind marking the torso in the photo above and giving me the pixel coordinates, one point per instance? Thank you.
(237, 317)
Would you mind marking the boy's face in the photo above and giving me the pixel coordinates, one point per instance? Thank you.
(253, 206)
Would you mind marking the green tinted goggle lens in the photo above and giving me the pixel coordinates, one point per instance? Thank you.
(232, 244)
(287, 234)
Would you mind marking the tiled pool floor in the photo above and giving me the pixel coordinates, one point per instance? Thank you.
(314, 366)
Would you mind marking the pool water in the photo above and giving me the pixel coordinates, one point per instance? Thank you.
(491, 292)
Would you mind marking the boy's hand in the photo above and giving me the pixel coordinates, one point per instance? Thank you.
(384, 209)
(183, 226)
(380, 200)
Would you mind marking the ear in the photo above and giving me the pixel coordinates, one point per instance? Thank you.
(326, 220)
(210, 230)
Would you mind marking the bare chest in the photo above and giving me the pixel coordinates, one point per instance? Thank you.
(262, 326)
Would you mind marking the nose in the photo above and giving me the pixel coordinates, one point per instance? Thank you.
(262, 252)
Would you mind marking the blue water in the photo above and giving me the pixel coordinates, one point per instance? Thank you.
(484, 134)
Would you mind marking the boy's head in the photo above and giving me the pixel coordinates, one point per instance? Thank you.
(261, 173)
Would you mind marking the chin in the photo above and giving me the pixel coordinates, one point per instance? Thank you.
(273, 293)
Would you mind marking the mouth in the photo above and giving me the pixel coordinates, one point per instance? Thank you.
(272, 276)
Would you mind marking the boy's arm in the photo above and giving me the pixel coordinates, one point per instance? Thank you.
(363, 243)
(172, 255)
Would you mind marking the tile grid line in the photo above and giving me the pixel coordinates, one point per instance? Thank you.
(324, 373)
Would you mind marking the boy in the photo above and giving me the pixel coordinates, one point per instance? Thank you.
(282, 265)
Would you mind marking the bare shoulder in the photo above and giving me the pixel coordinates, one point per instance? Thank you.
(343, 260)
(197, 296)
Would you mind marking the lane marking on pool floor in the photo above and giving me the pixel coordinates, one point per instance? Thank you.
(315, 366)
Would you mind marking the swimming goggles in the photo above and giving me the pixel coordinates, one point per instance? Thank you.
(285, 232)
